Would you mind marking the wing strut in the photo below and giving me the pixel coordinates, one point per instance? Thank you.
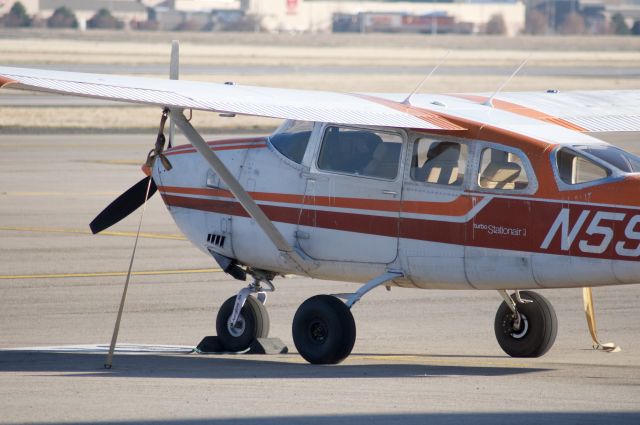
(287, 251)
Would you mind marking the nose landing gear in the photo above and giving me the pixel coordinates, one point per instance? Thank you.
(252, 323)
(244, 318)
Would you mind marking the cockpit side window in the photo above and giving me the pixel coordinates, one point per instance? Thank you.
(574, 168)
(360, 152)
(500, 169)
(291, 139)
(438, 162)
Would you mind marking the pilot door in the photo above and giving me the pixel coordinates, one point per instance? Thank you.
(351, 206)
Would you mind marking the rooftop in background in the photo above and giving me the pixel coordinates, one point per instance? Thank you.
(94, 5)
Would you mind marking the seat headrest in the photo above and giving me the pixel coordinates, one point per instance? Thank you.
(501, 172)
(385, 151)
(444, 151)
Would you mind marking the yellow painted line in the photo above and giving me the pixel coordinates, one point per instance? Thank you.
(452, 362)
(109, 274)
(27, 194)
(118, 162)
(87, 232)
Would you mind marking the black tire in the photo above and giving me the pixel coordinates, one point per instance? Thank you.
(324, 331)
(252, 323)
(538, 331)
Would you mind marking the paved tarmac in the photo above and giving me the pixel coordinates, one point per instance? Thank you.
(422, 357)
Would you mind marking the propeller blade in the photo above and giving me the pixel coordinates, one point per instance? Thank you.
(124, 205)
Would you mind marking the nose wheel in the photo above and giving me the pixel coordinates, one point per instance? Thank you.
(530, 330)
(252, 323)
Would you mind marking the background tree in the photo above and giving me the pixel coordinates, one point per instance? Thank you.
(619, 25)
(572, 24)
(496, 25)
(17, 16)
(62, 17)
(103, 19)
(189, 25)
(536, 23)
(151, 24)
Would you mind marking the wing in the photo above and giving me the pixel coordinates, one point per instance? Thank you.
(303, 105)
(587, 111)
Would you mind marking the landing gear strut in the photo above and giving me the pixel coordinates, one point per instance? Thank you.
(525, 324)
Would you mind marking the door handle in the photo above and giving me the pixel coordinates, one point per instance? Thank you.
(390, 192)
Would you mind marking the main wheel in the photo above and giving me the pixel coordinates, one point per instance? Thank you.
(538, 328)
(324, 331)
(252, 323)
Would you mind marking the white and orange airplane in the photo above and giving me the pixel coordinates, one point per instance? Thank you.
(505, 192)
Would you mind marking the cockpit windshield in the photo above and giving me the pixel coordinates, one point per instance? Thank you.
(291, 139)
(624, 161)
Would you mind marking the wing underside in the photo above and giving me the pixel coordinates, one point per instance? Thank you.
(585, 111)
(306, 105)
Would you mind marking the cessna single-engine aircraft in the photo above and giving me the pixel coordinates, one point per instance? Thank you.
(503, 192)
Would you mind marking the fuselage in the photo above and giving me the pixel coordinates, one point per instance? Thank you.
(488, 207)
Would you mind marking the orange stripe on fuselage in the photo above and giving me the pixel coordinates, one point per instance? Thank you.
(220, 148)
(4, 81)
(524, 111)
(458, 207)
(243, 140)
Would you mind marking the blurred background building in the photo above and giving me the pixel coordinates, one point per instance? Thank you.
(500, 17)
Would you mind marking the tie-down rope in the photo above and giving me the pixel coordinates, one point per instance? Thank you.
(589, 310)
(155, 153)
(116, 328)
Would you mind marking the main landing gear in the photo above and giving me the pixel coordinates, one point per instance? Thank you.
(525, 324)
(324, 331)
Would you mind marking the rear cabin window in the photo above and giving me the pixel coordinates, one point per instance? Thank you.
(503, 170)
(291, 139)
(360, 152)
(574, 168)
(438, 162)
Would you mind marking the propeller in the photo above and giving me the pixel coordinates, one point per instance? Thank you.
(124, 205)
(137, 194)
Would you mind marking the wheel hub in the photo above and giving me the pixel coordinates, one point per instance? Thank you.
(524, 327)
(238, 329)
(318, 332)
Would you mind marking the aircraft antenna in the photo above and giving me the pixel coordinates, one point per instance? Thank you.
(174, 74)
(489, 102)
(407, 101)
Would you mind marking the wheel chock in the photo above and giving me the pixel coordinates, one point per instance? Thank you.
(267, 346)
(213, 345)
(210, 345)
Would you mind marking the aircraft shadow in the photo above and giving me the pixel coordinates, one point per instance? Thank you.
(476, 418)
(213, 367)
